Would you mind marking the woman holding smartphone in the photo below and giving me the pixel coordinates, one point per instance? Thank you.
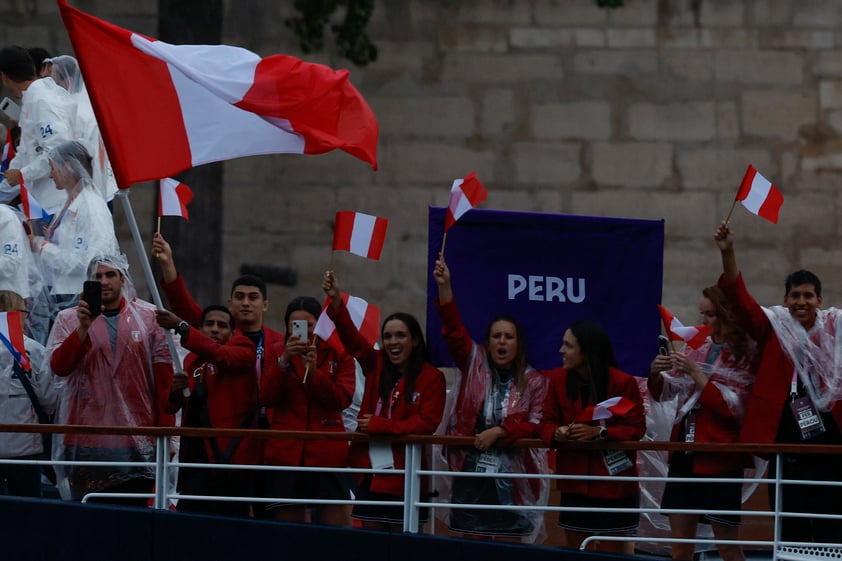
(710, 386)
(306, 391)
(404, 394)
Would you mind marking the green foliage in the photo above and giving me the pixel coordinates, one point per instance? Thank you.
(609, 3)
(350, 37)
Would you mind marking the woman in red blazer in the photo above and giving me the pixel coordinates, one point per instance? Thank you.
(306, 390)
(710, 386)
(404, 394)
(591, 399)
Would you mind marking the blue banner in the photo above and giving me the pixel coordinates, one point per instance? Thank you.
(549, 270)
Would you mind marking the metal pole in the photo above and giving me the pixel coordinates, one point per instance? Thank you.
(412, 487)
(776, 536)
(123, 195)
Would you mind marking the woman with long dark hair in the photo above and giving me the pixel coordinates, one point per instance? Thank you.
(591, 399)
(498, 399)
(404, 394)
(709, 387)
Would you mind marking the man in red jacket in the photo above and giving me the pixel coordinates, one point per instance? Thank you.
(796, 397)
(223, 394)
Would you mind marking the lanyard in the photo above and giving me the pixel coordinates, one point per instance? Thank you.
(258, 367)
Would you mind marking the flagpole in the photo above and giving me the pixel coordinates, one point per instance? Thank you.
(123, 195)
(159, 224)
(443, 241)
(727, 218)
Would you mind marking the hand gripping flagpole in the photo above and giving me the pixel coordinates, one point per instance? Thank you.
(123, 195)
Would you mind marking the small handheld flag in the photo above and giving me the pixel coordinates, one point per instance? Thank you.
(694, 336)
(465, 194)
(11, 335)
(32, 209)
(173, 198)
(366, 318)
(618, 405)
(759, 196)
(360, 234)
(8, 152)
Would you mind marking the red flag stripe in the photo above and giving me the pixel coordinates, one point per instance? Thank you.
(360, 234)
(759, 195)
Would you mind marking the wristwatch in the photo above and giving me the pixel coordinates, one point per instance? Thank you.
(603, 433)
(182, 328)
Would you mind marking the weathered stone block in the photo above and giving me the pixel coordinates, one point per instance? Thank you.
(500, 70)
(722, 168)
(568, 12)
(632, 38)
(584, 119)
(498, 111)
(636, 164)
(437, 163)
(546, 163)
(425, 116)
(675, 121)
(776, 113)
(722, 13)
(758, 67)
(626, 63)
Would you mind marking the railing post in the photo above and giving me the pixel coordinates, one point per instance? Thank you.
(411, 487)
(776, 534)
(161, 468)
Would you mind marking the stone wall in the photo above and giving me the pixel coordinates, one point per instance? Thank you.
(652, 110)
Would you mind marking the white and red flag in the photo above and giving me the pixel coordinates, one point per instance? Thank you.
(173, 198)
(32, 209)
(360, 234)
(8, 152)
(612, 406)
(11, 335)
(759, 196)
(366, 318)
(165, 108)
(676, 331)
(465, 194)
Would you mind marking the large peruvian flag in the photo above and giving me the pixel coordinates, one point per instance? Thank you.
(165, 108)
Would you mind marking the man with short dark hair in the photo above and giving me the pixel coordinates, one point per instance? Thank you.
(47, 119)
(223, 394)
(117, 369)
(796, 397)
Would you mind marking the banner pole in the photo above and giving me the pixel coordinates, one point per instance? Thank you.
(123, 195)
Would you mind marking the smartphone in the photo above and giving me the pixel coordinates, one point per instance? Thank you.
(10, 108)
(663, 345)
(299, 327)
(92, 294)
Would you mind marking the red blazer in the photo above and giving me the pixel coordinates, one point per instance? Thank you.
(558, 411)
(314, 405)
(228, 374)
(770, 392)
(420, 415)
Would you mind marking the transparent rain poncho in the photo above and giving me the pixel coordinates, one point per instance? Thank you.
(82, 229)
(20, 274)
(679, 395)
(66, 73)
(112, 384)
(478, 401)
(815, 354)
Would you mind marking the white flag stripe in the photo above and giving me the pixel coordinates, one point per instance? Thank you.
(357, 308)
(170, 204)
(758, 193)
(362, 233)
(601, 409)
(324, 327)
(201, 97)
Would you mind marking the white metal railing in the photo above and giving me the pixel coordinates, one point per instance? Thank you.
(412, 501)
